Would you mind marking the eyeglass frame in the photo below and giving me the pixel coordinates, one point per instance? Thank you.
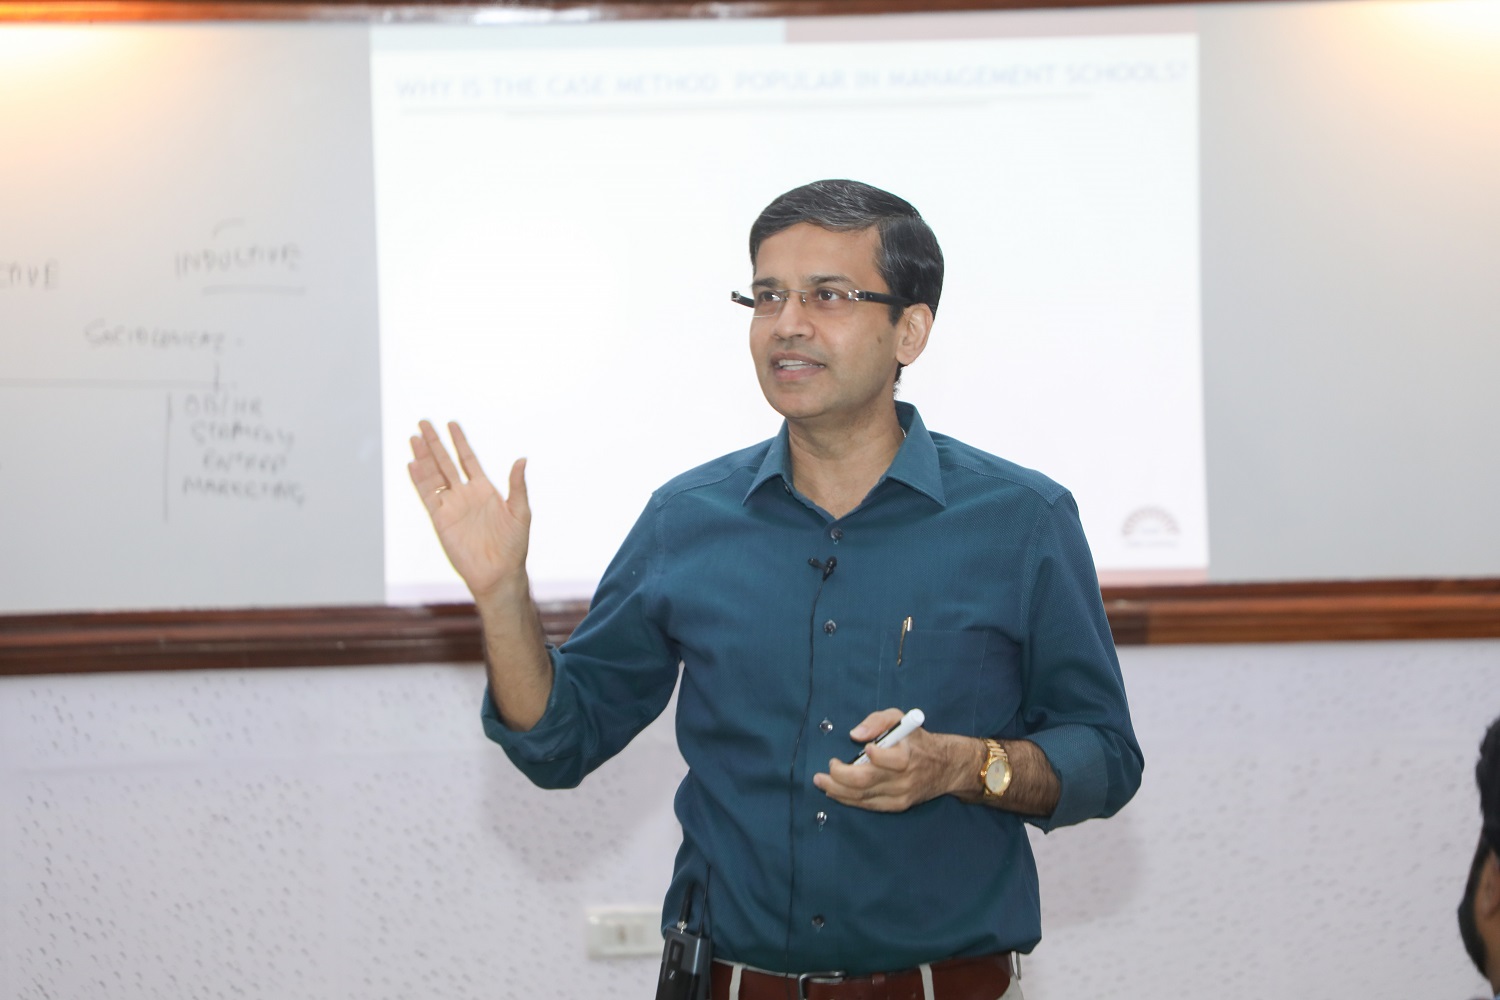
(852, 295)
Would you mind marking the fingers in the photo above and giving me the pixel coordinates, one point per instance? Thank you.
(877, 759)
(422, 469)
(432, 469)
(875, 723)
(520, 501)
(440, 456)
(853, 781)
(871, 786)
(466, 457)
(891, 778)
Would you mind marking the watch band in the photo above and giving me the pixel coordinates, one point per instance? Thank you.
(996, 755)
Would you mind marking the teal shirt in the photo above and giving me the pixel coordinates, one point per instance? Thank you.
(1009, 640)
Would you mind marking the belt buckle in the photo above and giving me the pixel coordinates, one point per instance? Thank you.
(830, 978)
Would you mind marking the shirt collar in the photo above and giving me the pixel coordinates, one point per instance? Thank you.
(915, 465)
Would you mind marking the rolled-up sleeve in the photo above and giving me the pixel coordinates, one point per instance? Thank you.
(611, 678)
(1074, 706)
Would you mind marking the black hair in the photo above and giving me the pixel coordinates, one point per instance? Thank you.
(910, 260)
(1487, 777)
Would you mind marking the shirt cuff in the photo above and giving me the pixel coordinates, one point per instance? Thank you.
(543, 742)
(1077, 758)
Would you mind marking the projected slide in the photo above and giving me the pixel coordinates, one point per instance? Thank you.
(563, 211)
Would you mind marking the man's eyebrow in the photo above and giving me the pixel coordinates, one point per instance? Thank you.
(813, 280)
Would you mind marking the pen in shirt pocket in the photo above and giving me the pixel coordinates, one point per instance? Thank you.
(901, 646)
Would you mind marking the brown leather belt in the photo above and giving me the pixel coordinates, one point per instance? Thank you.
(982, 978)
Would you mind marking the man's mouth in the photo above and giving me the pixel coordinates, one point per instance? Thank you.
(796, 366)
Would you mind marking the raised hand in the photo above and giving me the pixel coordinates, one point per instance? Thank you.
(484, 535)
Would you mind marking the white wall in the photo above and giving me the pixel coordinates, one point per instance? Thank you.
(1304, 829)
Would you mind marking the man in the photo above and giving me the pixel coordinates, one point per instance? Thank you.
(812, 588)
(1479, 912)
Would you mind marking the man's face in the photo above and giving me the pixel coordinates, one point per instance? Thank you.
(829, 371)
(1479, 913)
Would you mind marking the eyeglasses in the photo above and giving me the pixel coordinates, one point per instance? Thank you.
(823, 300)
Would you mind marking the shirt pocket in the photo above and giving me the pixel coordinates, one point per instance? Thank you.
(966, 682)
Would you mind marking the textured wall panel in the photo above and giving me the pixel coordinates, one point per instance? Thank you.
(1304, 829)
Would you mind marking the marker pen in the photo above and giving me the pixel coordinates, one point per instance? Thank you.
(911, 720)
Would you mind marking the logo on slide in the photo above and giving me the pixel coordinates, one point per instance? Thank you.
(1150, 527)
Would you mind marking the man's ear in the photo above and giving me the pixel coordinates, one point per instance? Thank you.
(1487, 893)
(911, 332)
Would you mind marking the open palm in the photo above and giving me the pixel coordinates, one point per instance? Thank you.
(484, 535)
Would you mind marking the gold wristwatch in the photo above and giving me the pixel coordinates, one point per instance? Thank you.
(995, 776)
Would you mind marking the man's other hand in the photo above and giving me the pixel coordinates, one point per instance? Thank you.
(893, 779)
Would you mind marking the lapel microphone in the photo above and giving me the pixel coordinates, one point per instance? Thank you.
(827, 567)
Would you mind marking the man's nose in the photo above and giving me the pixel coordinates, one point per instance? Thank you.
(794, 320)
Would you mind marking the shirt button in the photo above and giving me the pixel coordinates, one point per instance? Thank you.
(821, 817)
(836, 534)
(818, 922)
(826, 726)
(830, 626)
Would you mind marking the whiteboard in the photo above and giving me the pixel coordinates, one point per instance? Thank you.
(188, 366)
(182, 428)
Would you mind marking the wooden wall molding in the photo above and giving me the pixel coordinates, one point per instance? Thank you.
(1305, 612)
(449, 633)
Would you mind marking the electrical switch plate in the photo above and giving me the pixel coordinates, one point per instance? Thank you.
(623, 931)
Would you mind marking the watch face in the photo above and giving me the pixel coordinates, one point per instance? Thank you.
(997, 775)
